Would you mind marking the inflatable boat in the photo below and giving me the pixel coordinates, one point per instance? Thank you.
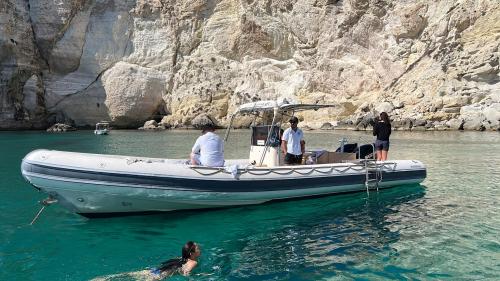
(96, 185)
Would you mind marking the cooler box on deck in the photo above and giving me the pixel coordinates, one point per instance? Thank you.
(318, 156)
(339, 157)
(322, 158)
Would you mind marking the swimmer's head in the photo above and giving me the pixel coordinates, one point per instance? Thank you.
(190, 251)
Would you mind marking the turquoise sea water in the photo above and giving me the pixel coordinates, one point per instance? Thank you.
(448, 228)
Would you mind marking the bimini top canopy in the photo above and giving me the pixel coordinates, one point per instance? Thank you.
(263, 106)
(277, 107)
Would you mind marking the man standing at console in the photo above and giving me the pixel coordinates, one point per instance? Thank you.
(292, 143)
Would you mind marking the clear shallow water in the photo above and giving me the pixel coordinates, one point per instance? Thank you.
(447, 228)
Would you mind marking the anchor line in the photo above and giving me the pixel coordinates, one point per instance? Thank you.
(37, 215)
(45, 202)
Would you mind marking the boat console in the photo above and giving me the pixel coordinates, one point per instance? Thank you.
(265, 149)
(265, 146)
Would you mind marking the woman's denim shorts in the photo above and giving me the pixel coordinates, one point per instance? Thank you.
(381, 145)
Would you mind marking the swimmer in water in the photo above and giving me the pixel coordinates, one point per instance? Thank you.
(183, 265)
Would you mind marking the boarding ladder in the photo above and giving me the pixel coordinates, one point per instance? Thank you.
(373, 174)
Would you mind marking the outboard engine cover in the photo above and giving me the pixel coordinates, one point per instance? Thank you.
(348, 148)
(365, 151)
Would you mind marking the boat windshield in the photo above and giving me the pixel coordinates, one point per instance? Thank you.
(101, 126)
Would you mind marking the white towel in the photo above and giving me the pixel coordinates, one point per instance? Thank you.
(233, 170)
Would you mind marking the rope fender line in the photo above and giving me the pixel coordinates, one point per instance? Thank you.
(258, 173)
(306, 173)
(288, 171)
(218, 170)
(277, 171)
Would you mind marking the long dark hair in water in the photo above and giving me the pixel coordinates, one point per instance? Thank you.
(385, 117)
(172, 265)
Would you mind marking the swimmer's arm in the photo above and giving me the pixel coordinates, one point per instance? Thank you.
(187, 268)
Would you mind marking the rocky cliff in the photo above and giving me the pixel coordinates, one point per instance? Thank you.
(431, 64)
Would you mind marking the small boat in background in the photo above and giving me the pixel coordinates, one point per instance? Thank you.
(102, 128)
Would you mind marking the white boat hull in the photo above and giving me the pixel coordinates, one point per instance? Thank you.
(101, 185)
(101, 132)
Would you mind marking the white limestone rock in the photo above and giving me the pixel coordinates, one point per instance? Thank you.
(473, 117)
(455, 124)
(202, 120)
(33, 92)
(133, 93)
(384, 107)
(492, 115)
(66, 54)
(152, 125)
(423, 60)
(49, 18)
(83, 108)
(59, 128)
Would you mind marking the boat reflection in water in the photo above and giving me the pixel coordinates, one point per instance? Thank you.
(317, 238)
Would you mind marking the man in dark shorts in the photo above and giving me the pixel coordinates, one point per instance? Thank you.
(292, 143)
